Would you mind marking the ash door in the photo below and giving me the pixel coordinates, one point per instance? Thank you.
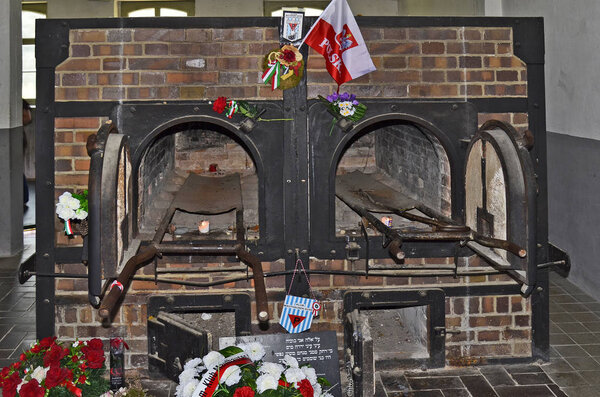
(500, 200)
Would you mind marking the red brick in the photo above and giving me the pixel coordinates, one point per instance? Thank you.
(502, 304)
(490, 321)
(497, 34)
(119, 35)
(488, 336)
(474, 305)
(395, 76)
(523, 321)
(82, 165)
(502, 62)
(480, 48)
(508, 90)
(396, 281)
(520, 118)
(63, 165)
(394, 33)
(231, 92)
(198, 35)
(237, 63)
(480, 75)
(74, 79)
(76, 93)
(512, 334)
(490, 350)
(114, 64)
(152, 78)
(115, 78)
(459, 305)
(439, 62)
(469, 62)
(507, 75)
(159, 35)
(156, 49)
(433, 76)
(117, 49)
(371, 34)
(63, 137)
(471, 34)
(234, 48)
(65, 332)
(71, 180)
(432, 34)
(80, 36)
(191, 77)
(80, 50)
(433, 47)
(471, 90)
(79, 64)
(264, 48)
(356, 280)
(504, 48)
(487, 304)
(67, 285)
(315, 62)
(85, 315)
(393, 48)
(397, 62)
(271, 34)
(153, 64)
(423, 280)
(77, 122)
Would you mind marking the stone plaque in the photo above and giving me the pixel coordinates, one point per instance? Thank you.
(319, 349)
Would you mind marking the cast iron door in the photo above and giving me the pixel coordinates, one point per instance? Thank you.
(500, 193)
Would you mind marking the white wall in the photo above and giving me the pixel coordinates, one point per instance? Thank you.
(10, 64)
(572, 36)
(80, 8)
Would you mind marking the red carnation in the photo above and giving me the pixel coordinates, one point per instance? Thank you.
(82, 379)
(9, 387)
(32, 389)
(57, 375)
(95, 344)
(47, 342)
(36, 348)
(288, 55)
(305, 388)
(245, 391)
(22, 357)
(54, 355)
(95, 358)
(220, 104)
(73, 389)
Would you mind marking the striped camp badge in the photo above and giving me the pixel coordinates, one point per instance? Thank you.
(297, 314)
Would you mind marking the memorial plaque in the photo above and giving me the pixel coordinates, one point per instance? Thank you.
(319, 349)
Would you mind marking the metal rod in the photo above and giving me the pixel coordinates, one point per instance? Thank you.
(165, 248)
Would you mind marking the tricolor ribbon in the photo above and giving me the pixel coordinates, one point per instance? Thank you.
(68, 228)
(117, 284)
(233, 107)
(272, 74)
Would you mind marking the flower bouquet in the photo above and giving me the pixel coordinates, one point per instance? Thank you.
(53, 369)
(283, 68)
(344, 108)
(251, 112)
(73, 206)
(238, 371)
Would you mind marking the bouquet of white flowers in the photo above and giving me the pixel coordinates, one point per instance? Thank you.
(238, 371)
(72, 207)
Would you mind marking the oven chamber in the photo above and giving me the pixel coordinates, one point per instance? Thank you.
(480, 171)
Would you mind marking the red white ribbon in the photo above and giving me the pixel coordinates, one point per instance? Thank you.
(118, 284)
(68, 228)
(272, 74)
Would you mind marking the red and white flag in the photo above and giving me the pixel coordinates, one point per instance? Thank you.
(337, 37)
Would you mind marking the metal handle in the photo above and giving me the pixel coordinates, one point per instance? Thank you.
(260, 292)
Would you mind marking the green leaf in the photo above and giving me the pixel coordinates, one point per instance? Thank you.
(323, 382)
(230, 351)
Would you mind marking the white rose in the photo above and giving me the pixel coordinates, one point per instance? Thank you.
(73, 203)
(187, 375)
(266, 382)
(310, 374)
(231, 376)
(290, 361)
(39, 374)
(213, 359)
(64, 198)
(272, 369)
(64, 212)
(317, 390)
(294, 375)
(254, 350)
(189, 388)
(81, 214)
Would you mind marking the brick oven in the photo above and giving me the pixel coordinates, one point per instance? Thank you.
(454, 134)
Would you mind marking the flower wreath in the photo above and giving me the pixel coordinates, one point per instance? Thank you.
(283, 68)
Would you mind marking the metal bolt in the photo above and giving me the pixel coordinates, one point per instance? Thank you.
(332, 252)
(303, 180)
(46, 301)
(196, 108)
(289, 181)
(48, 183)
(423, 293)
(132, 109)
(290, 251)
(260, 253)
(394, 107)
(228, 298)
(538, 245)
(454, 106)
(46, 255)
(539, 289)
(170, 300)
(304, 251)
(366, 295)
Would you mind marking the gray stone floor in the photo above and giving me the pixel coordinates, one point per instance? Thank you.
(574, 368)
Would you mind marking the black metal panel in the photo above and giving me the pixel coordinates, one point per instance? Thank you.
(450, 122)
(143, 123)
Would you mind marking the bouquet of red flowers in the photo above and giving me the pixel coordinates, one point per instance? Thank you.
(53, 369)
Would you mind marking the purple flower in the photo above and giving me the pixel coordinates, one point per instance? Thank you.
(352, 98)
(345, 96)
(354, 102)
(330, 98)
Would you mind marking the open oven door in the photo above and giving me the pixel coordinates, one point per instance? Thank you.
(500, 198)
(110, 198)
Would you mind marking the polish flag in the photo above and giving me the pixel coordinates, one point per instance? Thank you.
(337, 37)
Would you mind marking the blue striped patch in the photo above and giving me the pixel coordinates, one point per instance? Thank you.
(297, 314)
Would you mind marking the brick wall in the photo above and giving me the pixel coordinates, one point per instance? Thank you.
(161, 64)
(202, 64)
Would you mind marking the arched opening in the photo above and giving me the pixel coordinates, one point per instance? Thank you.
(404, 156)
(208, 150)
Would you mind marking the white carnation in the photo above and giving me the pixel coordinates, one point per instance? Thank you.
(187, 375)
(266, 382)
(193, 363)
(317, 390)
(326, 395)
(81, 214)
(231, 376)
(189, 388)
(213, 359)
(310, 374)
(290, 361)
(39, 374)
(273, 369)
(254, 350)
(294, 375)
